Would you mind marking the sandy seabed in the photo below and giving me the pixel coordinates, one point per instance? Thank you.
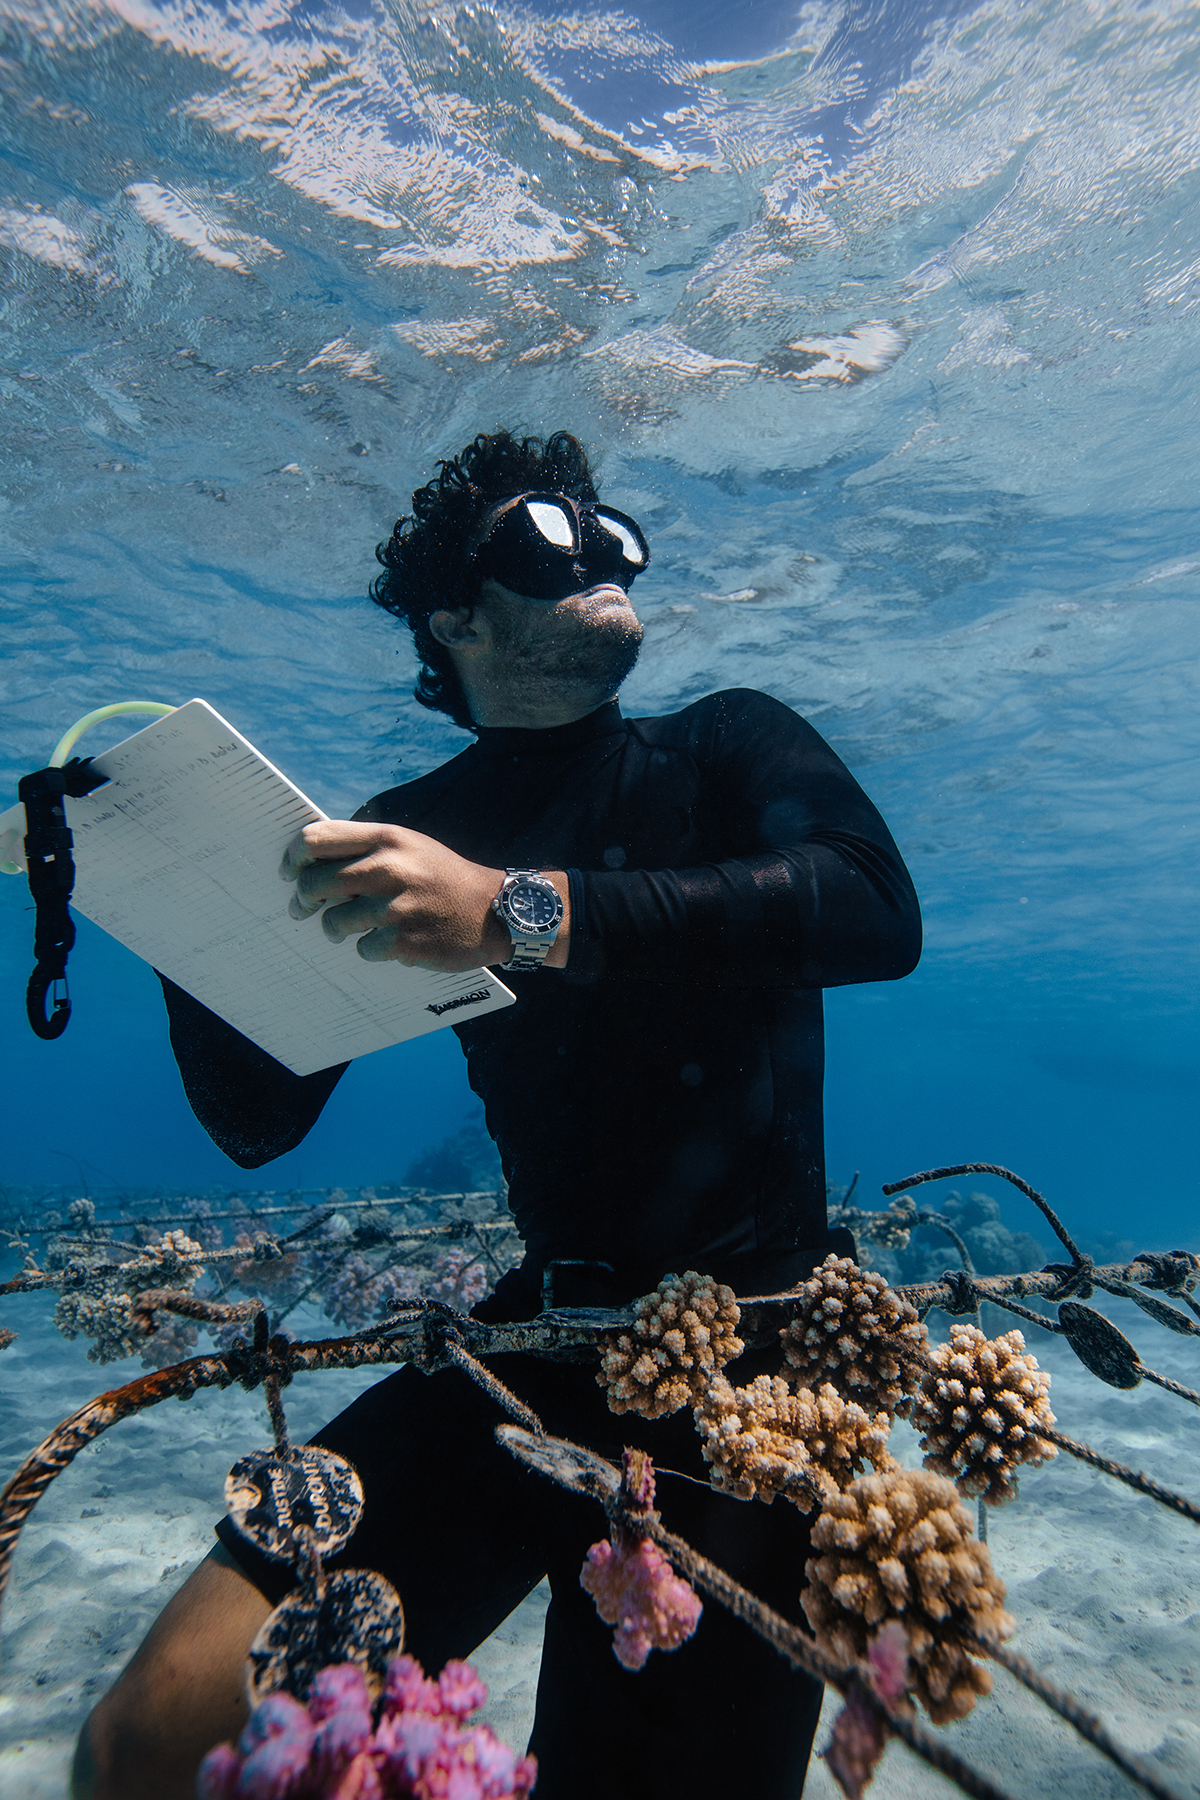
(1104, 1584)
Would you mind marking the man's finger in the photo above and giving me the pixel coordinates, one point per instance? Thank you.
(323, 881)
(384, 945)
(360, 914)
(297, 909)
(328, 840)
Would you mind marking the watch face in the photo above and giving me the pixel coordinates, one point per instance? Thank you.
(532, 907)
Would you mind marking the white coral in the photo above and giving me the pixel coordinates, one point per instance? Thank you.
(898, 1544)
(852, 1330)
(763, 1440)
(683, 1333)
(103, 1307)
(980, 1409)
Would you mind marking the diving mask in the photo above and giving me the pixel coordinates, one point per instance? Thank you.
(547, 545)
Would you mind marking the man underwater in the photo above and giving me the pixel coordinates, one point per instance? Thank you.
(669, 896)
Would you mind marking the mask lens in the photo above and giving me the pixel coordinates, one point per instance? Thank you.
(553, 522)
(629, 539)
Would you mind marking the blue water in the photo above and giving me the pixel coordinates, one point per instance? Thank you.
(884, 319)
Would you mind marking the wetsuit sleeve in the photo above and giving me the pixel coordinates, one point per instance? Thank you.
(250, 1105)
(817, 894)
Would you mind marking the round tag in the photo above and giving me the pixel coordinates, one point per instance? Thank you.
(269, 1496)
(357, 1618)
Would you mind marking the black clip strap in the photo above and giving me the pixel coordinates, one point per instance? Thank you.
(51, 867)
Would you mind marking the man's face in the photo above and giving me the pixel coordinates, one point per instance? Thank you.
(587, 642)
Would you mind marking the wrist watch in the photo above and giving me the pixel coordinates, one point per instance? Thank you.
(531, 907)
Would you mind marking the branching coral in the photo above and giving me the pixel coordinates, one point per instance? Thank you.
(683, 1334)
(853, 1331)
(171, 1341)
(636, 1589)
(631, 1581)
(277, 1279)
(859, 1734)
(980, 1409)
(423, 1746)
(356, 1296)
(899, 1545)
(891, 1230)
(103, 1308)
(765, 1440)
(456, 1277)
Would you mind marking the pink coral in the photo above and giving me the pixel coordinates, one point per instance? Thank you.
(340, 1707)
(636, 1589)
(276, 1747)
(887, 1654)
(858, 1741)
(457, 1277)
(461, 1690)
(859, 1734)
(424, 1747)
(218, 1774)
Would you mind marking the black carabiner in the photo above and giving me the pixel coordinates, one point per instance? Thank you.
(52, 1024)
(51, 869)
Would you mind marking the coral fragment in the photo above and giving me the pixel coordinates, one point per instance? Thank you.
(852, 1330)
(636, 1589)
(898, 1544)
(763, 1440)
(683, 1333)
(423, 1746)
(980, 1408)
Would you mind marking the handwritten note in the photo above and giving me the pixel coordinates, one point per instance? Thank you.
(178, 858)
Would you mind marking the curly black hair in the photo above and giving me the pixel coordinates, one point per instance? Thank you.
(424, 561)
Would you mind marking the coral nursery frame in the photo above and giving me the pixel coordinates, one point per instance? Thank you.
(436, 1335)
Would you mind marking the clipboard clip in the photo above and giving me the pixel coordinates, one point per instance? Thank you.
(51, 867)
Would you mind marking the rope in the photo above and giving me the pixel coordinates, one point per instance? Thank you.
(492, 1385)
(1056, 1225)
(1068, 1708)
(1120, 1472)
(1172, 1387)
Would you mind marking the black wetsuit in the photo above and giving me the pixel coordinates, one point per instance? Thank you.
(657, 1106)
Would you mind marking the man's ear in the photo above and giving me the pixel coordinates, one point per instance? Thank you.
(455, 627)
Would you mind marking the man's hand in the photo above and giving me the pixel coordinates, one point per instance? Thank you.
(415, 901)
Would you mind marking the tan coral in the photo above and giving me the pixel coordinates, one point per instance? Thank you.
(853, 1331)
(980, 1409)
(763, 1440)
(683, 1334)
(899, 1545)
(892, 1229)
(107, 1312)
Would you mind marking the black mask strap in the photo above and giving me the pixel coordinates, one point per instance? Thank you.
(48, 846)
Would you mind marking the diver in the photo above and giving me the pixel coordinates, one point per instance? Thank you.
(668, 897)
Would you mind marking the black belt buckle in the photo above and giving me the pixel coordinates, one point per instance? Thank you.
(549, 1299)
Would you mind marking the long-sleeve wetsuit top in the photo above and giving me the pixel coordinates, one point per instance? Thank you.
(660, 1097)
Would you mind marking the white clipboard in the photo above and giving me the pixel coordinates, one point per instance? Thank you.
(177, 857)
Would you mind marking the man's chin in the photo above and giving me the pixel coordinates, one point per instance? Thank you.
(602, 598)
